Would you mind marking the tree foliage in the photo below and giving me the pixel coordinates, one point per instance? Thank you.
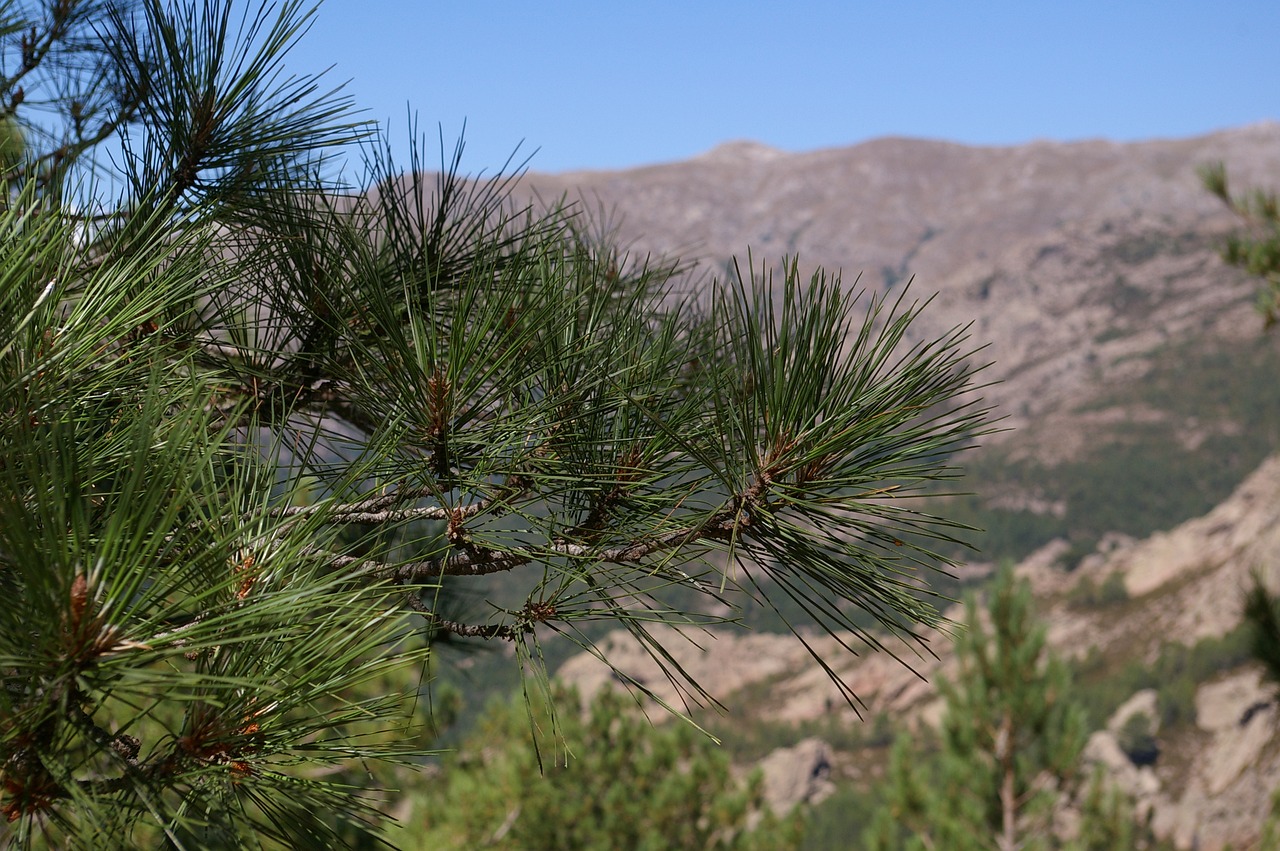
(1008, 751)
(1255, 249)
(1262, 625)
(610, 779)
(257, 425)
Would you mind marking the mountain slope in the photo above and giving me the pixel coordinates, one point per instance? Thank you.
(1140, 395)
(1072, 260)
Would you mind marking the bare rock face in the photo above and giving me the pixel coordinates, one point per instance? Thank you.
(721, 661)
(1139, 782)
(1240, 714)
(1142, 703)
(1191, 577)
(1228, 793)
(800, 774)
(1187, 584)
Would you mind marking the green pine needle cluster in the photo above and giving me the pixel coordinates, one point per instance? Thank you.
(1256, 249)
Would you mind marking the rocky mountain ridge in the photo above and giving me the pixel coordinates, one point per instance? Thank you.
(1074, 261)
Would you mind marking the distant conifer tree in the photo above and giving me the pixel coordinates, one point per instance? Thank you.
(1007, 756)
(610, 779)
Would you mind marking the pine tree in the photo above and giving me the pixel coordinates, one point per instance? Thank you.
(610, 779)
(259, 425)
(1008, 751)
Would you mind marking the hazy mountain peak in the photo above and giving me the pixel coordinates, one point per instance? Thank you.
(741, 151)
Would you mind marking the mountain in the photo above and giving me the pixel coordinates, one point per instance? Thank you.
(1069, 258)
(1125, 357)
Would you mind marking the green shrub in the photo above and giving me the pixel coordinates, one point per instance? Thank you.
(605, 779)
(1138, 740)
(1089, 595)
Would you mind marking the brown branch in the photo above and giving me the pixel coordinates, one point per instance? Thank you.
(504, 631)
(533, 614)
(30, 788)
(482, 561)
(472, 560)
(374, 509)
(122, 744)
(381, 508)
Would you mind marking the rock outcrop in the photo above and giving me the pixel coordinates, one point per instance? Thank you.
(800, 774)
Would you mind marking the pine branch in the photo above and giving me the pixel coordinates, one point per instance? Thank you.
(382, 508)
(252, 418)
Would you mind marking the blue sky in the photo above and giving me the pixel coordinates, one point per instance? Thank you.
(616, 84)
